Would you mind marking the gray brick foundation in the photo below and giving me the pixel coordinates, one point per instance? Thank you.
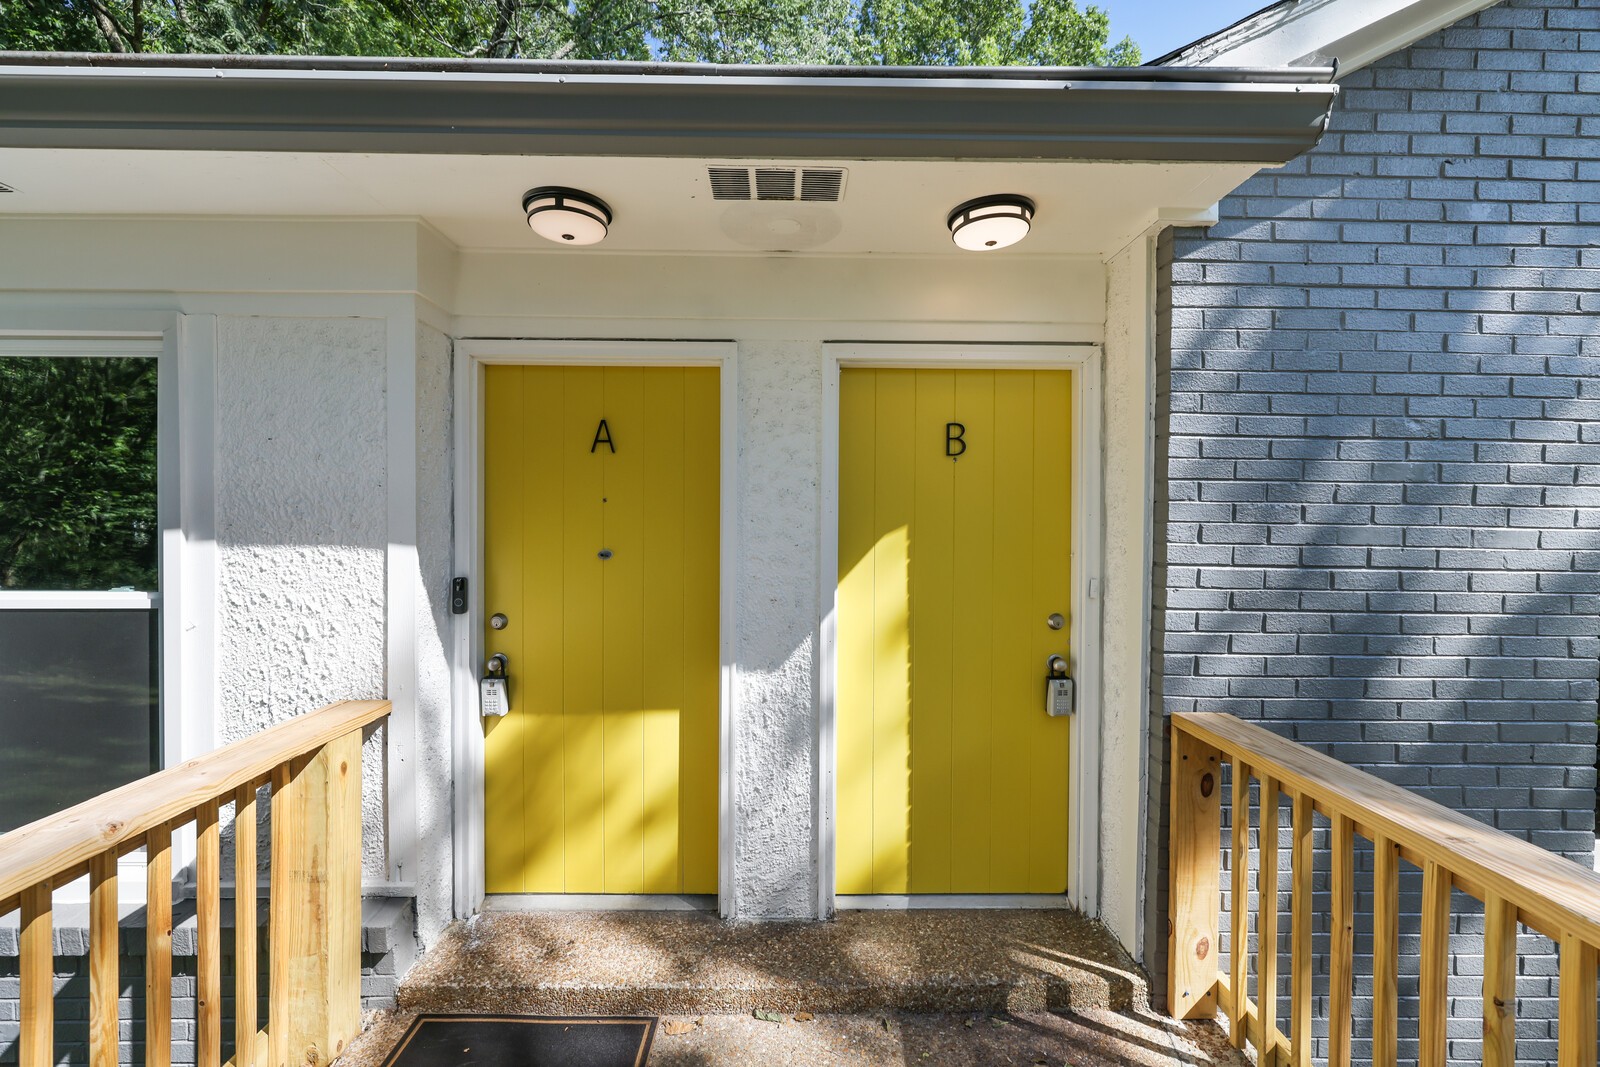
(1378, 498)
(388, 944)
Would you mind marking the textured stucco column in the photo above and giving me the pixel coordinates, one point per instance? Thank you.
(780, 413)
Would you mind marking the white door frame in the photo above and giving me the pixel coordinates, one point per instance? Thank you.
(471, 357)
(1083, 830)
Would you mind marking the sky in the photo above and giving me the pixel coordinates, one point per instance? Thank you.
(1159, 26)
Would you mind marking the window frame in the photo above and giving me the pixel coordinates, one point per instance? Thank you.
(161, 346)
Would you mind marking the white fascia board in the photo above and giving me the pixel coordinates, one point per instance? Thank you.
(1352, 33)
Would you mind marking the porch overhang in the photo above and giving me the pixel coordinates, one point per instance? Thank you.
(420, 107)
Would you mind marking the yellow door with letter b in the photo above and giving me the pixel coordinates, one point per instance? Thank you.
(601, 590)
(953, 597)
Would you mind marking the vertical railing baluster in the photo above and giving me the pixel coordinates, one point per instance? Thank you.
(158, 948)
(37, 963)
(1267, 926)
(208, 931)
(1577, 992)
(105, 982)
(245, 929)
(1300, 909)
(1196, 886)
(1341, 941)
(1385, 953)
(1499, 982)
(1239, 915)
(1432, 988)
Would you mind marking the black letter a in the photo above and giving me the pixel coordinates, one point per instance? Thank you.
(602, 436)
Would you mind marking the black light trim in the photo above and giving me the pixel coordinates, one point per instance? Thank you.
(565, 199)
(960, 217)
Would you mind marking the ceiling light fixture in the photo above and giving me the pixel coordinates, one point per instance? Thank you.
(566, 216)
(991, 222)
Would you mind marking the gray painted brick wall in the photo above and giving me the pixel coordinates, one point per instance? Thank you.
(1378, 515)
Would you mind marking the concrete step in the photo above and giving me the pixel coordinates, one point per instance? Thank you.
(678, 963)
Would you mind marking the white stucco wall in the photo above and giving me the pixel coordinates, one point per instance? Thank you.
(299, 483)
(435, 566)
(779, 478)
(1127, 402)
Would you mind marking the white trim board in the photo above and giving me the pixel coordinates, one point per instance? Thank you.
(1083, 832)
(515, 902)
(471, 357)
(951, 901)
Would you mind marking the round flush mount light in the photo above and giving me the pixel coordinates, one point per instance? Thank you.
(566, 216)
(991, 222)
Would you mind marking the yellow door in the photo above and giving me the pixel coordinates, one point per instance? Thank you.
(600, 550)
(954, 552)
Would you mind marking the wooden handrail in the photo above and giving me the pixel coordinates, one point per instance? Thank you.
(1516, 880)
(312, 765)
(58, 847)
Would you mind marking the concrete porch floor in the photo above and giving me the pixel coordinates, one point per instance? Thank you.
(880, 987)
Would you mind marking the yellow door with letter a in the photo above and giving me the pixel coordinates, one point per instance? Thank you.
(601, 518)
(954, 590)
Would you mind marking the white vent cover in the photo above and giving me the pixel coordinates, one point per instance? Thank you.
(821, 185)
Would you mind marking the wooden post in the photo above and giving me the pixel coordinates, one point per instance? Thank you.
(1341, 968)
(37, 962)
(315, 911)
(1385, 952)
(1499, 982)
(158, 947)
(246, 932)
(1267, 926)
(1577, 997)
(105, 984)
(1300, 910)
(208, 928)
(1239, 913)
(1432, 989)
(1195, 859)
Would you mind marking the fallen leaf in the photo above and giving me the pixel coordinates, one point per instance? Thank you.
(674, 1027)
(968, 1024)
(768, 1016)
(997, 1022)
(803, 1016)
(885, 1023)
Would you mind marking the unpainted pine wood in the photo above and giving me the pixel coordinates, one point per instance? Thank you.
(1551, 892)
(1301, 906)
(315, 907)
(1432, 989)
(1577, 1003)
(208, 928)
(1239, 914)
(37, 963)
(245, 929)
(1499, 983)
(1195, 846)
(105, 985)
(1385, 952)
(1341, 970)
(1267, 926)
(158, 947)
(1252, 1020)
(118, 820)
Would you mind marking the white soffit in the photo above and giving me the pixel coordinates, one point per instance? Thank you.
(661, 205)
(1297, 33)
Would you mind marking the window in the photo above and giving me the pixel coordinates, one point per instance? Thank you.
(79, 539)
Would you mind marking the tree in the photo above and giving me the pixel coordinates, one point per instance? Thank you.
(898, 32)
(77, 473)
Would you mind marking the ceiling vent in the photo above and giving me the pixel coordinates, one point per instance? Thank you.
(820, 185)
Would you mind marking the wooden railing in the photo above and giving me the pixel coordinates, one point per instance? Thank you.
(1515, 880)
(312, 765)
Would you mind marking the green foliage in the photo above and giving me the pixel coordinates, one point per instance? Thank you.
(77, 473)
(898, 32)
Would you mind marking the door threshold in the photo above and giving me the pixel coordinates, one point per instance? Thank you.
(928, 901)
(599, 902)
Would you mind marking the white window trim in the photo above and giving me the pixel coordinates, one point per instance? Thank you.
(472, 356)
(160, 344)
(1083, 831)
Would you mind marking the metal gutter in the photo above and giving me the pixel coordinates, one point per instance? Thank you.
(494, 107)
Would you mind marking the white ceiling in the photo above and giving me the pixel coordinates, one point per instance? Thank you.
(660, 205)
